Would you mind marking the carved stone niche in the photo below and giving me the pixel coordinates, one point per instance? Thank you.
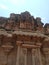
(7, 44)
(7, 47)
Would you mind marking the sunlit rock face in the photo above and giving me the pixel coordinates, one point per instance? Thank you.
(24, 40)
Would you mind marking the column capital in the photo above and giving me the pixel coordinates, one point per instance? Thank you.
(25, 50)
(33, 51)
(19, 42)
(38, 44)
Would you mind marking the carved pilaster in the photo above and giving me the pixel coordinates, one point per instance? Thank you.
(21, 57)
(18, 55)
(33, 56)
(46, 52)
(18, 44)
(25, 56)
(7, 49)
(38, 55)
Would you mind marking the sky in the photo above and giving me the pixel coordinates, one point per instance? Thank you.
(37, 8)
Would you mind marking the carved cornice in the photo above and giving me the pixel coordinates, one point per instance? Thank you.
(30, 46)
(34, 38)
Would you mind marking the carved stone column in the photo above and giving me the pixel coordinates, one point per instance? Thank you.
(25, 56)
(18, 55)
(21, 57)
(33, 56)
(46, 52)
(38, 55)
(18, 44)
